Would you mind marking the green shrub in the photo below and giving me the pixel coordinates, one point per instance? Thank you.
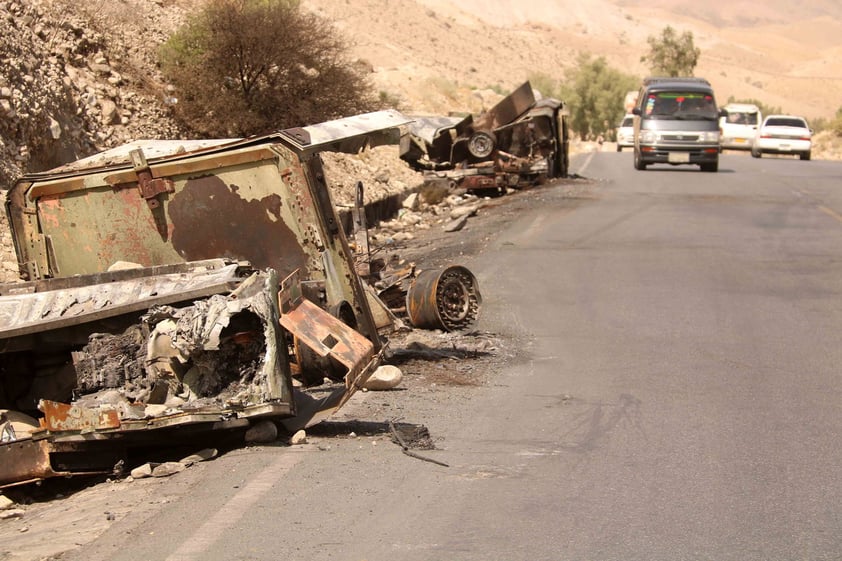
(245, 67)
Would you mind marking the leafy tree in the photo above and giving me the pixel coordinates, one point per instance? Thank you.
(671, 54)
(243, 67)
(594, 92)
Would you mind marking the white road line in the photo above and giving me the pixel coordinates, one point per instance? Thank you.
(581, 170)
(195, 546)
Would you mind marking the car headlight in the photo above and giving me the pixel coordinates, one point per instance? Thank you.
(648, 137)
(709, 136)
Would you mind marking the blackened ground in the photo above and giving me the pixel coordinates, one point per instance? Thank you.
(446, 368)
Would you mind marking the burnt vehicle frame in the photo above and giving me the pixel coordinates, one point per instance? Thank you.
(520, 141)
(206, 246)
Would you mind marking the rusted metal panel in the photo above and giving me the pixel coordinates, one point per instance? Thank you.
(326, 335)
(508, 109)
(25, 461)
(479, 182)
(62, 417)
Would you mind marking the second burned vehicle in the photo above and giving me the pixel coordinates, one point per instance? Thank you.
(521, 140)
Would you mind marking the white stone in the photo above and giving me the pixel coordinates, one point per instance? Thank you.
(300, 437)
(168, 468)
(204, 455)
(457, 224)
(411, 202)
(12, 513)
(110, 115)
(386, 377)
(142, 471)
(6, 503)
(461, 211)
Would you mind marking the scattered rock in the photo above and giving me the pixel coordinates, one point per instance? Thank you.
(168, 468)
(202, 456)
(11, 513)
(456, 225)
(386, 377)
(466, 210)
(300, 437)
(6, 503)
(411, 202)
(143, 471)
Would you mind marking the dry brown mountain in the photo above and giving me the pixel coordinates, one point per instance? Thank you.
(432, 53)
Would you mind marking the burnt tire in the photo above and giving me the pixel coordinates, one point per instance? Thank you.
(481, 144)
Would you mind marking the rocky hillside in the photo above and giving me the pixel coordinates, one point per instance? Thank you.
(81, 77)
(77, 80)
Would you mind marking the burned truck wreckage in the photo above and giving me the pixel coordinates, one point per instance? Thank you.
(520, 141)
(181, 288)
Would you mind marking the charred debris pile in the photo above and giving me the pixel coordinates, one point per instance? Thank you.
(178, 289)
(174, 290)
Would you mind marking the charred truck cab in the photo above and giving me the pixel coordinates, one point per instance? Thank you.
(676, 122)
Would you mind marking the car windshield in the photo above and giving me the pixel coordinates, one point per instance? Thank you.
(785, 122)
(681, 106)
(742, 118)
(627, 122)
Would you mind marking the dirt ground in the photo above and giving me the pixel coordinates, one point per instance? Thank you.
(439, 369)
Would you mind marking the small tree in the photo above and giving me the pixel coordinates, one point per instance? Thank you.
(243, 67)
(594, 92)
(671, 54)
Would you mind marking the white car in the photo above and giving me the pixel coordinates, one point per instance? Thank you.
(625, 133)
(783, 134)
(738, 126)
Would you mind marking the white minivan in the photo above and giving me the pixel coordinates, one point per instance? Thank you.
(739, 126)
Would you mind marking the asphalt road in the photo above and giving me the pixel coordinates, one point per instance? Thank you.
(676, 396)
